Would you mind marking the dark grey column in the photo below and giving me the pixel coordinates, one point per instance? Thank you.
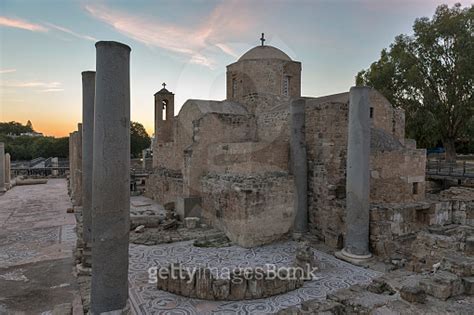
(88, 95)
(2, 167)
(298, 164)
(357, 180)
(111, 179)
(71, 165)
(78, 167)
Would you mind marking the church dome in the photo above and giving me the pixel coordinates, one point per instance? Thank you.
(264, 52)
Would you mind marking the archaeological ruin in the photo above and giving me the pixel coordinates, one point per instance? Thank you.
(242, 167)
(267, 202)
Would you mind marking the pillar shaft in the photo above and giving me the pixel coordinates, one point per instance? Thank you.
(357, 180)
(71, 164)
(8, 175)
(2, 167)
(88, 95)
(78, 166)
(111, 178)
(298, 164)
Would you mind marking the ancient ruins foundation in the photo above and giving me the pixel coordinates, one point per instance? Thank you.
(244, 181)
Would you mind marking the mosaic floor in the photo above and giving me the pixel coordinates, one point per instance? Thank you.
(37, 239)
(334, 274)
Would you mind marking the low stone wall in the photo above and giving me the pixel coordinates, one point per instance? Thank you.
(251, 209)
(248, 284)
(164, 185)
(393, 227)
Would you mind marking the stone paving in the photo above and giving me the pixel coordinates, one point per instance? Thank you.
(37, 240)
(147, 299)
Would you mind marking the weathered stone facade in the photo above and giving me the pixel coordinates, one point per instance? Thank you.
(235, 154)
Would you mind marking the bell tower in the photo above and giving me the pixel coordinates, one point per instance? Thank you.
(164, 115)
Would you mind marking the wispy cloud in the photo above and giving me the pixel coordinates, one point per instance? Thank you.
(71, 32)
(2, 71)
(52, 90)
(21, 24)
(31, 84)
(44, 27)
(226, 20)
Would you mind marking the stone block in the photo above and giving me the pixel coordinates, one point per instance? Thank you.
(238, 287)
(413, 294)
(191, 222)
(221, 289)
(204, 281)
(188, 206)
(442, 285)
(317, 306)
(469, 249)
(468, 283)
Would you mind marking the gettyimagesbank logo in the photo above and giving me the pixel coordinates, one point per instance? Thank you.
(236, 275)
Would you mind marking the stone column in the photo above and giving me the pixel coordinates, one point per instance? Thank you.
(88, 95)
(55, 165)
(144, 159)
(2, 167)
(357, 180)
(71, 164)
(8, 175)
(298, 165)
(111, 179)
(78, 166)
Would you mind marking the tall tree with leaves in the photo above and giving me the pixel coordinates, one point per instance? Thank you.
(139, 139)
(431, 75)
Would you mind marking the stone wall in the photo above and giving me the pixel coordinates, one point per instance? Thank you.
(251, 209)
(257, 76)
(326, 140)
(210, 129)
(394, 226)
(386, 117)
(248, 157)
(241, 284)
(164, 185)
(397, 176)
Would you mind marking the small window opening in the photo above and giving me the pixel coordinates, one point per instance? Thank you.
(163, 109)
(371, 112)
(415, 188)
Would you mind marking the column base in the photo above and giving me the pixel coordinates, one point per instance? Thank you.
(359, 260)
(124, 311)
(297, 236)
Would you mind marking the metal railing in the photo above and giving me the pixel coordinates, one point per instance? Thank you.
(44, 171)
(458, 169)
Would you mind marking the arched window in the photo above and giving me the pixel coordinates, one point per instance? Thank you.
(164, 107)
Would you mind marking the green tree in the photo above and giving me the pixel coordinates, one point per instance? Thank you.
(431, 75)
(139, 139)
(29, 125)
(14, 128)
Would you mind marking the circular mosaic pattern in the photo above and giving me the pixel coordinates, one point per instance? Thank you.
(333, 275)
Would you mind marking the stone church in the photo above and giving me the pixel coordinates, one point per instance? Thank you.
(228, 161)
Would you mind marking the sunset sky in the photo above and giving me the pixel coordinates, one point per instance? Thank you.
(45, 45)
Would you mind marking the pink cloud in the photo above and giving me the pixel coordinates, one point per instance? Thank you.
(228, 19)
(21, 24)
